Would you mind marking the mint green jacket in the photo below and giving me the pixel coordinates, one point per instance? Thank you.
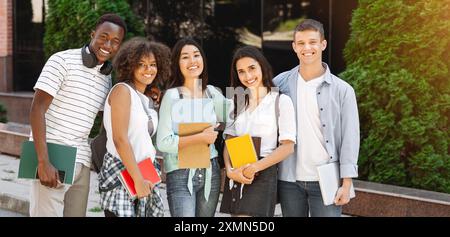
(174, 111)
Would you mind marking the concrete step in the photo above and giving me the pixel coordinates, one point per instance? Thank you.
(6, 213)
(12, 135)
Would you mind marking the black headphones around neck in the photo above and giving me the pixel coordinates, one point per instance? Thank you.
(90, 60)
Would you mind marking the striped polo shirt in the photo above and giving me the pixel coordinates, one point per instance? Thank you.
(78, 94)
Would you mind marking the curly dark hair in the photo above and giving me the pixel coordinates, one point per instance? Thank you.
(127, 59)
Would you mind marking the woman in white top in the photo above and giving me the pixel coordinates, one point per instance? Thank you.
(252, 190)
(127, 118)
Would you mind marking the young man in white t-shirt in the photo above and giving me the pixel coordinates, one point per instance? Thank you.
(327, 127)
(69, 93)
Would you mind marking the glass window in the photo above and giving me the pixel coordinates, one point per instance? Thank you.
(280, 19)
(233, 23)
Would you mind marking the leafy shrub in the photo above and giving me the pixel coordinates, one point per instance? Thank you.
(398, 61)
(69, 23)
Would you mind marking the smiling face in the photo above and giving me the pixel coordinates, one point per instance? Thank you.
(191, 62)
(249, 72)
(106, 40)
(145, 72)
(309, 45)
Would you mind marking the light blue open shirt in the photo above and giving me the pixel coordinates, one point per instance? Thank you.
(339, 118)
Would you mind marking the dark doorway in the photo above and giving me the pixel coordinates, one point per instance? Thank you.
(28, 50)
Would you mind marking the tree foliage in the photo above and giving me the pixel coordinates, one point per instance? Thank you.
(398, 62)
(171, 20)
(69, 23)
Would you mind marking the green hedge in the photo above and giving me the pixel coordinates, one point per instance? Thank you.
(398, 61)
(69, 23)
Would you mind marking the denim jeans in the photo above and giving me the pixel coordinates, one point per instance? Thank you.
(182, 203)
(298, 199)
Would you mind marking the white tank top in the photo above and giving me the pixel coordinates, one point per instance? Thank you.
(138, 135)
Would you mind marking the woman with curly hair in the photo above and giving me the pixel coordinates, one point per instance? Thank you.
(139, 64)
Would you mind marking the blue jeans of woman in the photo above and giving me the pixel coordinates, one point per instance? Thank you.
(182, 203)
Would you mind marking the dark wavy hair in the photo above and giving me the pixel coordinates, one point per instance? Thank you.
(178, 79)
(266, 69)
(130, 53)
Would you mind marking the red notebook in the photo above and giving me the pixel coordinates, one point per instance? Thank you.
(148, 172)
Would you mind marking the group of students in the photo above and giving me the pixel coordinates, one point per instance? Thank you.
(304, 117)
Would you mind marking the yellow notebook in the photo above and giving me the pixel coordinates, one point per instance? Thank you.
(195, 155)
(241, 151)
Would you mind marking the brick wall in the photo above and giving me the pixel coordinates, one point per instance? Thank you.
(6, 45)
(18, 106)
(6, 28)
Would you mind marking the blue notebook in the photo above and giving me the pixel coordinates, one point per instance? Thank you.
(61, 157)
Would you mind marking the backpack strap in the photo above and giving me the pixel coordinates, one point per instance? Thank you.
(151, 128)
(179, 92)
(209, 96)
(277, 108)
(277, 114)
(208, 93)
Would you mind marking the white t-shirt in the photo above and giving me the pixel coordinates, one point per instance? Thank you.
(311, 150)
(138, 135)
(261, 123)
(78, 94)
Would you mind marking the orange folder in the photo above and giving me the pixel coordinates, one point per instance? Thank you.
(241, 150)
(196, 155)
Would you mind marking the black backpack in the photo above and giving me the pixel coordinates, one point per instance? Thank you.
(220, 146)
(98, 148)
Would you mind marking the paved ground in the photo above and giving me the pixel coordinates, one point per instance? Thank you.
(14, 193)
(6, 213)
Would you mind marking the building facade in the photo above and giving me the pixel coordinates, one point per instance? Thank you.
(225, 24)
(6, 45)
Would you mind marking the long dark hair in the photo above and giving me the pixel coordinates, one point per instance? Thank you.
(177, 77)
(267, 74)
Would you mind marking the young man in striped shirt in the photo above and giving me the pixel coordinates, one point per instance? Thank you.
(69, 93)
